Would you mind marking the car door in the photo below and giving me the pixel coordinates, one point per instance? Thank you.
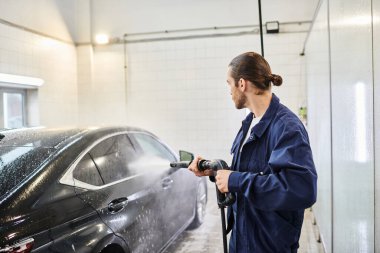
(124, 198)
(176, 208)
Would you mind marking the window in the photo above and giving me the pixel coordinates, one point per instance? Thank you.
(112, 157)
(87, 172)
(151, 146)
(18, 162)
(12, 108)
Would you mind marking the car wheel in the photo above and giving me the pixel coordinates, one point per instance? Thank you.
(112, 249)
(200, 206)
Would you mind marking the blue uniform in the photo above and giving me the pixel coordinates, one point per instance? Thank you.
(274, 180)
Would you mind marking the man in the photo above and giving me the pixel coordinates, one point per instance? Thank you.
(272, 171)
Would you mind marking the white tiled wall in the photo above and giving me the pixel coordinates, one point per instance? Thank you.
(101, 85)
(24, 53)
(178, 89)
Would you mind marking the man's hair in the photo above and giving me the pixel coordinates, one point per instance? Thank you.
(254, 68)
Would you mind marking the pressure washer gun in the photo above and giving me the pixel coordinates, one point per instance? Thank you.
(224, 199)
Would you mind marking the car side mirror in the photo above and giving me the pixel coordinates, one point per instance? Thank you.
(185, 156)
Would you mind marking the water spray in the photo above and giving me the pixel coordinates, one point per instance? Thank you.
(224, 199)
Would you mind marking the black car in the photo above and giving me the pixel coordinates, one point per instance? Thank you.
(93, 190)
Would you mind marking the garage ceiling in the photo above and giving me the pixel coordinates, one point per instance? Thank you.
(133, 16)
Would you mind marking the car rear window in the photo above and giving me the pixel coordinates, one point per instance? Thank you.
(17, 163)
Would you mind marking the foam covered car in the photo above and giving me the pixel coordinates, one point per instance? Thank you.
(97, 190)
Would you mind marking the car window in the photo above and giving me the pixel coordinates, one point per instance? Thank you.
(151, 146)
(112, 157)
(87, 172)
(18, 163)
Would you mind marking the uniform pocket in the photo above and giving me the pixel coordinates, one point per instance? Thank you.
(277, 231)
(285, 234)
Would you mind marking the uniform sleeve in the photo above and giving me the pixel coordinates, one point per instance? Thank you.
(289, 182)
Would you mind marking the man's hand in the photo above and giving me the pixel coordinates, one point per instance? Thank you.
(222, 180)
(194, 168)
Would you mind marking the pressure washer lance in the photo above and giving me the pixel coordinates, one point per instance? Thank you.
(225, 199)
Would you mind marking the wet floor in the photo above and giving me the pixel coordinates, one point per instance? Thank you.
(208, 237)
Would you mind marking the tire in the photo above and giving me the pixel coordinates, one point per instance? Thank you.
(113, 248)
(200, 205)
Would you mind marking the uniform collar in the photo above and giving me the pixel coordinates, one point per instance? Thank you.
(259, 129)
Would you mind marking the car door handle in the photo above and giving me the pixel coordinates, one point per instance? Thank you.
(117, 205)
(167, 182)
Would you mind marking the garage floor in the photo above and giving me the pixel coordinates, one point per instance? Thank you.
(208, 237)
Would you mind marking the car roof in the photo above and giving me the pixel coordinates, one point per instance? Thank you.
(41, 137)
(53, 137)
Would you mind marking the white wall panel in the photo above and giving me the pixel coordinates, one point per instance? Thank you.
(319, 120)
(376, 62)
(352, 126)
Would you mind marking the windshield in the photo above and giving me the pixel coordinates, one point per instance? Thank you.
(17, 163)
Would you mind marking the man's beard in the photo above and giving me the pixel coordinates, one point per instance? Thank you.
(240, 101)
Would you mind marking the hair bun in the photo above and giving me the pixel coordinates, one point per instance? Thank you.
(276, 79)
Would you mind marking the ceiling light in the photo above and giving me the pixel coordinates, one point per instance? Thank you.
(102, 39)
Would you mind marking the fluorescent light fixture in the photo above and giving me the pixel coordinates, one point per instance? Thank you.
(102, 39)
(356, 21)
(361, 130)
(27, 81)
